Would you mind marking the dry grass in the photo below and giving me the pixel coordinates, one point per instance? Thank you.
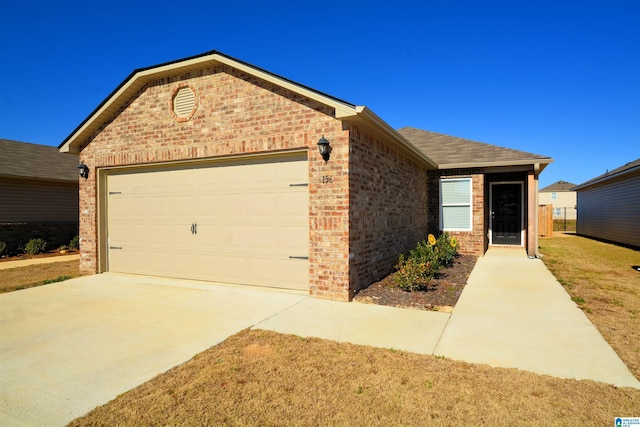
(600, 274)
(562, 225)
(267, 379)
(14, 279)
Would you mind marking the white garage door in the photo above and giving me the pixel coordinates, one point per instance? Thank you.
(243, 222)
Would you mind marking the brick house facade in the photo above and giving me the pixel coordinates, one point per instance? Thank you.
(373, 199)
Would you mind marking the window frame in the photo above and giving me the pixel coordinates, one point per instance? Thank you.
(470, 204)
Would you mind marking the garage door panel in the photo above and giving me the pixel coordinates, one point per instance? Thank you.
(250, 220)
(263, 204)
(158, 262)
(292, 204)
(291, 240)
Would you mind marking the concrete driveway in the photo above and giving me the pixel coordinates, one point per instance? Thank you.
(69, 347)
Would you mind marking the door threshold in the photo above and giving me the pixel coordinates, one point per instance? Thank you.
(507, 246)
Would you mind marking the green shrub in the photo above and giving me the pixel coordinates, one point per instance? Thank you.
(415, 272)
(35, 246)
(447, 248)
(75, 242)
(3, 246)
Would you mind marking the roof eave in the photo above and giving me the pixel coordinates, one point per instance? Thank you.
(538, 164)
(371, 122)
(604, 178)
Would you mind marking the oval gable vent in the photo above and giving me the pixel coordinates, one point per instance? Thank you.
(184, 103)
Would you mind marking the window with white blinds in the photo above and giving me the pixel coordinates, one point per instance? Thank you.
(456, 208)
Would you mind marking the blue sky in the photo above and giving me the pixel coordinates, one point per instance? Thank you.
(557, 78)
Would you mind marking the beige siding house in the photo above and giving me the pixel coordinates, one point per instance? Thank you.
(210, 168)
(562, 197)
(609, 206)
(38, 194)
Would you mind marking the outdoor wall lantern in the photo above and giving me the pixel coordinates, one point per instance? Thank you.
(324, 148)
(83, 170)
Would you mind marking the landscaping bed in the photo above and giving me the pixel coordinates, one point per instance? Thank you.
(441, 294)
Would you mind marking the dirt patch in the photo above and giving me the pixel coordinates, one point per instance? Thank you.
(258, 350)
(442, 294)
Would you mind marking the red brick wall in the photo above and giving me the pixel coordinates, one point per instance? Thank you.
(472, 242)
(387, 210)
(237, 113)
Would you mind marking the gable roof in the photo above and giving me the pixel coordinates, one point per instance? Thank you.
(558, 186)
(453, 152)
(620, 172)
(345, 111)
(33, 161)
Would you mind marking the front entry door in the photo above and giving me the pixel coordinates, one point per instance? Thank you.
(506, 214)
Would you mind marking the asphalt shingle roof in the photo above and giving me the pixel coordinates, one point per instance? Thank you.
(453, 151)
(558, 186)
(26, 160)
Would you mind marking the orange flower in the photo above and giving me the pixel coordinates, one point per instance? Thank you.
(432, 240)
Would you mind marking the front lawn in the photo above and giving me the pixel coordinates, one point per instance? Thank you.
(14, 279)
(261, 378)
(601, 279)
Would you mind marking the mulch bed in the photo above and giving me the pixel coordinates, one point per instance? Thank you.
(442, 294)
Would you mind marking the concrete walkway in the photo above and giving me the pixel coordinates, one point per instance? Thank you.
(513, 313)
(4, 265)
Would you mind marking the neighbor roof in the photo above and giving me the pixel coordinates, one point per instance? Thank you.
(453, 152)
(558, 186)
(623, 170)
(33, 161)
(110, 107)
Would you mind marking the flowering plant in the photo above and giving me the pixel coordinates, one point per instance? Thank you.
(425, 262)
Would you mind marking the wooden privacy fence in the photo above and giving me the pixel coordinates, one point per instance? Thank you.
(545, 220)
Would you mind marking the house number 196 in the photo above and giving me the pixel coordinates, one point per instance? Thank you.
(327, 179)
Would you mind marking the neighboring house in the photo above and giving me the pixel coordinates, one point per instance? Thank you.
(609, 206)
(209, 168)
(38, 194)
(562, 197)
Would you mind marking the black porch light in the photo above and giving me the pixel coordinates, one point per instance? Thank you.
(83, 170)
(324, 148)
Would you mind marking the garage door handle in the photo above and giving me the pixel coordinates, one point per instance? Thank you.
(194, 228)
(115, 247)
(298, 257)
(306, 184)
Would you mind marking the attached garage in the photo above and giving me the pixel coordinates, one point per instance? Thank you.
(209, 168)
(242, 221)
